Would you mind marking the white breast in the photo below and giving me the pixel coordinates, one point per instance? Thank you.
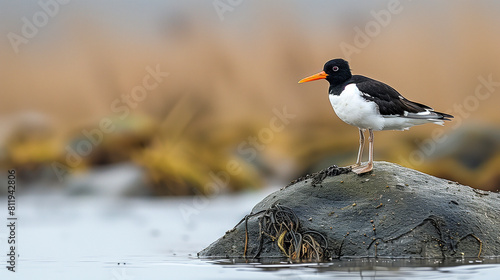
(353, 109)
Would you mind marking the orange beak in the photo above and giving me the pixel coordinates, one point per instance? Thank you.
(320, 75)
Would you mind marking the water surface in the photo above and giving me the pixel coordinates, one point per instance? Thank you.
(65, 237)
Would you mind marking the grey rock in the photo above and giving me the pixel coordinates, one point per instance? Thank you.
(471, 145)
(391, 212)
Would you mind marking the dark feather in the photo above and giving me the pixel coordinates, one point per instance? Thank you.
(390, 102)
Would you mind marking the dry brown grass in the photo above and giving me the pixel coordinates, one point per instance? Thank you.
(224, 83)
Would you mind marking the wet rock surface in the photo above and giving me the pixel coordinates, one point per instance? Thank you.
(391, 212)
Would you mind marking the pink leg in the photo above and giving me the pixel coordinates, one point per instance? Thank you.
(369, 166)
(361, 146)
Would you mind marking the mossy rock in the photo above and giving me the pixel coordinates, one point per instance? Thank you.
(392, 211)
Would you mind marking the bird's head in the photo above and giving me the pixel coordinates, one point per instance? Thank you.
(335, 71)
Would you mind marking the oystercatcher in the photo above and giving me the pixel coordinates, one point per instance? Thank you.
(371, 105)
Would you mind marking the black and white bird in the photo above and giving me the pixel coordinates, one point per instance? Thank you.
(371, 105)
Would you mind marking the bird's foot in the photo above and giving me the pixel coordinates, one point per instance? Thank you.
(352, 166)
(363, 168)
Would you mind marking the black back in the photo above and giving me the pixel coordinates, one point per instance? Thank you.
(388, 100)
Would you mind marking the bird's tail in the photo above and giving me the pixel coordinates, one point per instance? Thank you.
(444, 116)
(430, 115)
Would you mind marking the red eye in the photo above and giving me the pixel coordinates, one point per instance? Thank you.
(335, 68)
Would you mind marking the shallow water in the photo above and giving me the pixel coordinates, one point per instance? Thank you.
(62, 237)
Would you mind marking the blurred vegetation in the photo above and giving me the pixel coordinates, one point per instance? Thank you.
(226, 80)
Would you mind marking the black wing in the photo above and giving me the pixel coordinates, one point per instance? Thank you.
(390, 102)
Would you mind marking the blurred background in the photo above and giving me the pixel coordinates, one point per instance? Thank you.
(169, 98)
